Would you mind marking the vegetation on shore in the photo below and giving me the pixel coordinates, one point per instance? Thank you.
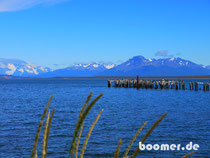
(79, 128)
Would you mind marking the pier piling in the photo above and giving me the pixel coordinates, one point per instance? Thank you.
(137, 82)
(157, 84)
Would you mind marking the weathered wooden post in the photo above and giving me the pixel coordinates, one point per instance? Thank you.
(140, 84)
(183, 85)
(161, 84)
(196, 86)
(137, 82)
(177, 85)
(204, 86)
(122, 83)
(156, 84)
(190, 85)
(130, 83)
(147, 84)
(172, 84)
(151, 84)
(207, 86)
(109, 83)
(119, 83)
(134, 83)
(126, 83)
(167, 84)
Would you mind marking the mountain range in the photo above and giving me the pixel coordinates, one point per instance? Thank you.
(157, 67)
(137, 65)
(80, 70)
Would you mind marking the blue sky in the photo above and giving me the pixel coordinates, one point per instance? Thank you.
(65, 32)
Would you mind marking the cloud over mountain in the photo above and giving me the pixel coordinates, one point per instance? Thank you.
(163, 53)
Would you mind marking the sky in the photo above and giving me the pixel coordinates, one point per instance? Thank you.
(58, 33)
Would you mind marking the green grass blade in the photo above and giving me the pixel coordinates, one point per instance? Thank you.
(117, 152)
(80, 121)
(39, 128)
(189, 154)
(89, 133)
(148, 133)
(78, 140)
(134, 138)
(48, 129)
(45, 136)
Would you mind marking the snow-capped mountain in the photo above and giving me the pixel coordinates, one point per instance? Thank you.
(139, 65)
(20, 68)
(93, 66)
(80, 70)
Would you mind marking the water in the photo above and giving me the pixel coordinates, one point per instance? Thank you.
(125, 110)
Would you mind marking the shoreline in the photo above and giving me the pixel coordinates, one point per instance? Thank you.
(109, 77)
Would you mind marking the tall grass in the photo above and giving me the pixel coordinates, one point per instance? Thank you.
(45, 136)
(117, 152)
(80, 121)
(89, 133)
(79, 128)
(78, 140)
(39, 128)
(134, 138)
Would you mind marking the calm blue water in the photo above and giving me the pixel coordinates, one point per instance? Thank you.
(125, 110)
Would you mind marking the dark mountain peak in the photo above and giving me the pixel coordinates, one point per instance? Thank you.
(139, 65)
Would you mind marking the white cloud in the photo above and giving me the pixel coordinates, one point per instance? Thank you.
(14, 5)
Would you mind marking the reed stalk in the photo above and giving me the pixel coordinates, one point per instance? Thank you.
(78, 140)
(81, 113)
(116, 154)
(48, 129)
(77, 124)
(188, 154)
(134, 138)
(89, 133)
(45, 137)
(40, 126)
(86, 102)
(80, 121)
(35, 155)
(148, 133)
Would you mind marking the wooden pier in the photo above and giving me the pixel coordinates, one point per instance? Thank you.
(158, 84)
